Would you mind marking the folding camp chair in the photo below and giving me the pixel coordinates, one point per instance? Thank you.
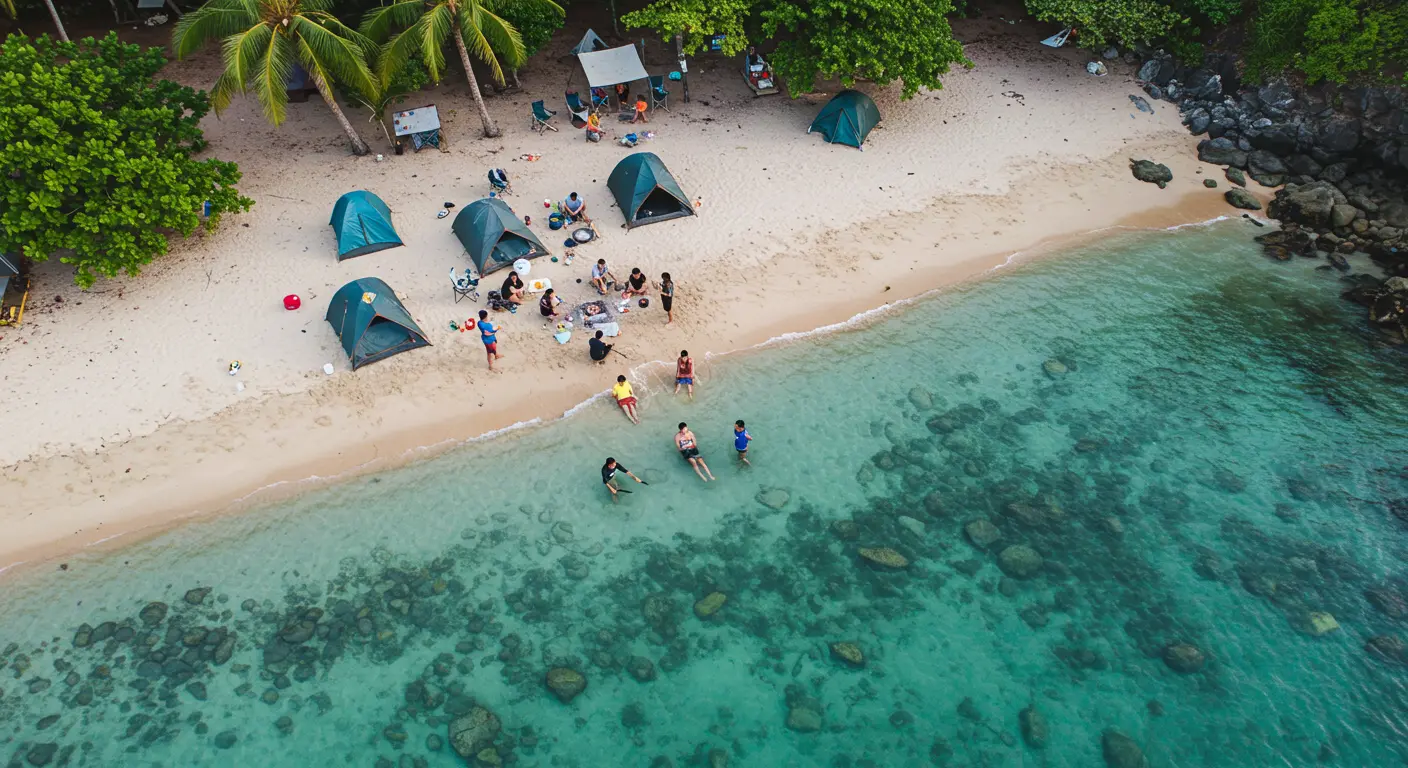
(498, 182)
(658, 95)
(464, 286)
(541, 116)
(578, 109)
(600, 97)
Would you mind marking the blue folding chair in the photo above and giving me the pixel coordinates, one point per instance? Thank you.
(658, 95)
(599, 98)
(579, 111)
(541, 116)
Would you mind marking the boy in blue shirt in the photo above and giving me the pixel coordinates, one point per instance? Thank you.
(741, 438)
(488, 333)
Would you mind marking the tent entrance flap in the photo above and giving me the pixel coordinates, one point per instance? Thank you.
(660, 206)
(612, 66)
(384, 338)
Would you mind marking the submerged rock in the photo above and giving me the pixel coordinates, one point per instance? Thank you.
(471, 732)
(1054, 368)
(226, 739)
(42, 754)
(982, 533)
(1184, 658)
(1035, 730)
(710, 604)
(845, 530)
(641, 668)
(565, 683)
(884, 557)
(1387, 648)
(197, 596)
(1120, 751)
(913, 526)
(803, 720)
(1020, 561)
(1151, 172)
(773, 498)
(849, 653)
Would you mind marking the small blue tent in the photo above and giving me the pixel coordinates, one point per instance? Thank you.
(493, 236)
(362, 223)
(846, 119)
(371, 322)
(646, 191)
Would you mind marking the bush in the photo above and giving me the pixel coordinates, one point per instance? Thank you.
(1335, 40)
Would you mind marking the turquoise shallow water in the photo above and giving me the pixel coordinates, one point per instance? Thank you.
(1204, 448)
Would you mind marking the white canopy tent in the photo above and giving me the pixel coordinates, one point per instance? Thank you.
(612, 66)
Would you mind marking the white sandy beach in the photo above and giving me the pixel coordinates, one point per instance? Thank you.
(121, 416)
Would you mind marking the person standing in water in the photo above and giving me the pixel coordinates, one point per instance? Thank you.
(626, 398)
(741, 438)
(608, 477)
(667, 297)
(684, 373)
(689, 449)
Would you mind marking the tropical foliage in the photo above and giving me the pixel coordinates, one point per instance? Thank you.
(422, 27)
(1336, 40)
(1099, 23)
(264, 39)
(909, 41)
(97, 161)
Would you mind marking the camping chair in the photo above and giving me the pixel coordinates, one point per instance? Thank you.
(464, 286)
(578, 109)
(600, 97)
(541, 116)
(658, 95)
(498, 182)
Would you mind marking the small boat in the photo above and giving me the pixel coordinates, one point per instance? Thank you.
(759, 76)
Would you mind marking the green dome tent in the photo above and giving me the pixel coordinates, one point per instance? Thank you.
(362, 223)
(371, 322)
(846, 119)
(646, 192)
(494, 236)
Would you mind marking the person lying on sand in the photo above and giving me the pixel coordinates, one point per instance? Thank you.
(626, 398)
(602, 277)
(689, 449)
(635, 284)
(608, 477)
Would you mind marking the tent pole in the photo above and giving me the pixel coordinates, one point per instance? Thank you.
(684, 76)
(614, 28)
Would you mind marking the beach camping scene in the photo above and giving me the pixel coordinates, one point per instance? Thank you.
(871, 383)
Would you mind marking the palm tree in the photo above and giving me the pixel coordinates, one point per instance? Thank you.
(54, 12)
(425, 24)
(264, 39)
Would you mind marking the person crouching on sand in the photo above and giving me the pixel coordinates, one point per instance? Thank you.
(626, 398)
(635, 284)
(689, 449)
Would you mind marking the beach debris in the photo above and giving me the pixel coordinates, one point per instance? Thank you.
(292, 302)
(1184, 658)
(849, 653)
(1020, 561)
(1097, 68)
(565, 683)
(473, 731)
(234, 367)
(982, 533)
(1141, 104)
(884, 557)
(709, 604)
(1152, 172)
(328, 369)
(1241, 198)
(773, 498)
(1121, 751)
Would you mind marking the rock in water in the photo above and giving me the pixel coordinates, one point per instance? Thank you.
(803, 720)
(226, 739)
(884, 556)
(1319, 623)
(478, 727)
(1184, 658)
(641, 668)
(197, 596)
(1387, 648)
(1152, 172)
(1020, 561)
(565, 683)
(1054, 368)
(42, 754)
(773, 498)
(849, 653)
(1241, 198)
(1035, 731)
(913, 526)
(921, 399)
(1121, 751)
(710, 604)
(982, 533)
(153, 614)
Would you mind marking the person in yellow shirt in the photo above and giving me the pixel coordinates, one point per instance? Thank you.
(594, 123)
(626, 398)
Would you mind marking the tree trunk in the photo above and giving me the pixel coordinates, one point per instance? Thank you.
(491, 131)
(516, 84)
(58, 23)
(359, 147)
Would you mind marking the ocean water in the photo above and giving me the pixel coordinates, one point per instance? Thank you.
(1198, 455)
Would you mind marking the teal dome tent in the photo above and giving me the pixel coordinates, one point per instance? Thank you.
(493, 235)
(362, 223)
(646, 191)
(371, 322)
(846, 119)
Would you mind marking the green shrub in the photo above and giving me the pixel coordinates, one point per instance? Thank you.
(1335, 40)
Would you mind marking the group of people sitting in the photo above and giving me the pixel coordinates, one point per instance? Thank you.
(623, 95)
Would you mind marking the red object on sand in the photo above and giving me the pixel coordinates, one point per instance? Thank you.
(292, 302)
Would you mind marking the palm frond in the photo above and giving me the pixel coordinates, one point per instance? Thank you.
(337, 56)
(216, 20)
(476, 42)
(380, 23)
(434, 31)
(243, 52)
(270, 82)
(503, 38)
(331, 23)
(224, 90)
(8, 6)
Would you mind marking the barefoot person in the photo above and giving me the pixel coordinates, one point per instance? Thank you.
(684, 373)
(635, 284)
(602, 277)
(488, 333)
(689, 449)
(598, 349)
(626, 398)
(667, 297)
(741, 438)
(608, 477)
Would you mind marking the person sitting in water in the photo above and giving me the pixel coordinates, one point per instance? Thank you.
(598, 349)
(547, 305)
(626, 398)
(575, 208)
(635, 284)
(512, 290)
(689, 449)
(602, 279)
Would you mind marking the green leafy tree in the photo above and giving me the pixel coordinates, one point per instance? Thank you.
(696, 21)
(1336, 40)
(535, 21)
(879, 40)
(264, 39)
(422, 27)
(97, 159)
(1099, 23)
